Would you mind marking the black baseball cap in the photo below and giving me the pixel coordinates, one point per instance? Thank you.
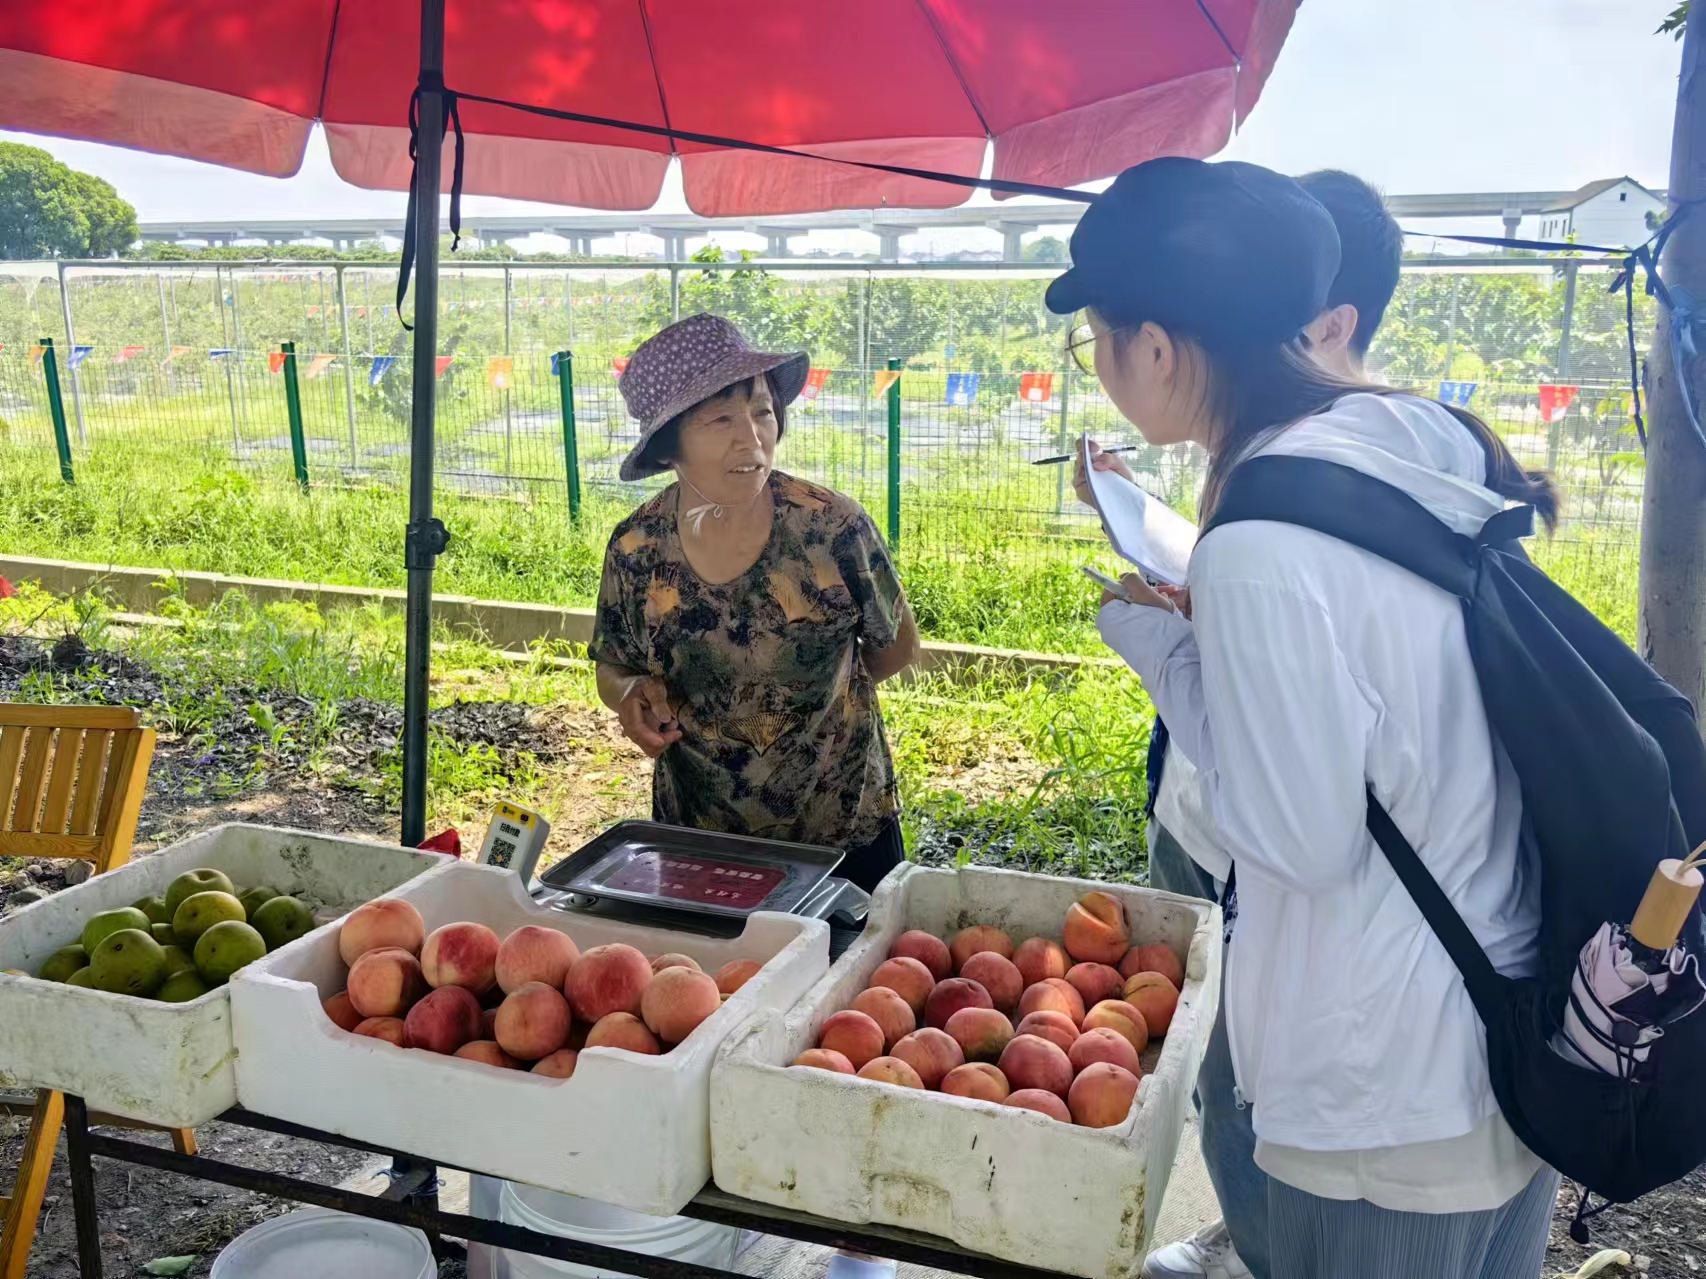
(1229, 253)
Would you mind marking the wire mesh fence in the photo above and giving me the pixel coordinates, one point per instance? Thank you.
(163, 363)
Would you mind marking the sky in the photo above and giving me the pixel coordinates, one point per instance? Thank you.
(1447, 95)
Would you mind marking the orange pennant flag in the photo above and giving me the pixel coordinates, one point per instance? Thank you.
(176, 352)
(885, 379)
(36, 352)
(498, 371)
(275, 361)
(318, 365)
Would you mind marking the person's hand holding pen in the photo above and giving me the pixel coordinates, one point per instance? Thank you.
(1175, 599)
(1102, 461)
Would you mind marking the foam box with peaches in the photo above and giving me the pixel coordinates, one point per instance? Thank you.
(625, 1128)
(993, 1178)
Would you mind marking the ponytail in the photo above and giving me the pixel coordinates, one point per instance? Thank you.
(1505, 475)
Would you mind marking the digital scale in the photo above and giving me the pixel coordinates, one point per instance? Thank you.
(702, 881)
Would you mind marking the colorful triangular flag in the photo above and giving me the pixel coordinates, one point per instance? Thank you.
(275, 361)
(620, 365)
(815, 379)
(220, 352)
(1457, 393)
(36, 352)
(128, 353)
(377, 370)
(499, 369)
(318, 365)
(174, 353)
(557, 363)
(79, 353)
(962, 389)
(1036, 388)
(441, 364)
(884, 380)
(1555, 401)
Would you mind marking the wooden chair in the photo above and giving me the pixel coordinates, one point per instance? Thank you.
(71, 785)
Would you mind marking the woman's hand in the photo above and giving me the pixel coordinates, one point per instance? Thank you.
(1141, 592)
(1102, 462)
(648, 720)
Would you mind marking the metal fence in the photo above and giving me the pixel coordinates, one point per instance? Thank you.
(161, 363)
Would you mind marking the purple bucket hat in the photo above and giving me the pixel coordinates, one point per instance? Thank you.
(690, 361)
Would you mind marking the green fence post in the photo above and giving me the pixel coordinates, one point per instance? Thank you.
(894, 457)
(571, 451)
(56, 407)
(293, 407)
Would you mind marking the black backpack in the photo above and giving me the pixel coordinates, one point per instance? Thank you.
(1613, 775)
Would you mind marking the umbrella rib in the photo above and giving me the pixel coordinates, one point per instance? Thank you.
(1237, 58)
(657, 74)
(954, 65)
(326, 67)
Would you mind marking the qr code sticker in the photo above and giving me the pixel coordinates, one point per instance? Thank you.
(503, 852)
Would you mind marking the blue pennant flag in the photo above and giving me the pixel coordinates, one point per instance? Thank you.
(556, 364)
(78, 355)
(962, 388)
(1457, 393)
(380, 364)
(220, 352)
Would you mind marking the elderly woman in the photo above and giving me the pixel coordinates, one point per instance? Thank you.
(746, 617)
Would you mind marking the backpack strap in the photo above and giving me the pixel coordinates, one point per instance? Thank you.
(1479, 975)
(1345, 504)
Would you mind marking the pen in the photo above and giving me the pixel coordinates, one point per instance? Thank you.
(1067, 457)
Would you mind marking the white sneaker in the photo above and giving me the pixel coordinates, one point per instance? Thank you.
(1208, 1254)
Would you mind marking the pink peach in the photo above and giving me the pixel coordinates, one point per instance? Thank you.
(1055, 1027)
(890, 1070)
(674, 960)
(1117, 1015)
(623, 1030)
(908, 978)
(1095, 982)
(931, 1052)
(952, 995)
(1156, 957)
(981, 1033)
(1039, 958)
(533, 1022)
(889, 1011)
(1041, 1101)
(492, 1054)
(1157, 998)
(1096, 930)
(825, 1059)
(677, 1000)
(1053, 994)
(535, 953)
(1101, 1095)
(390, 1029)
(376, 925)
(559, 1065)
(489, 1023)
(385, 982)
(854, 1035)
(736, 973)
(1000, 977)
(343, 1013)
(1031, 1061)
(978, 1080)
(1103, 1043)
(979, 937)
(462, 954)
(444, 1020)
(927, 948)
(607, 979)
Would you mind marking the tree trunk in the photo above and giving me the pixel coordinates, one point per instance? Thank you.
(1673, 507)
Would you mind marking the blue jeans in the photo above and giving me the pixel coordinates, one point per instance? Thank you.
(1228, 1139)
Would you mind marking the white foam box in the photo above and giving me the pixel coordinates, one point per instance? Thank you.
(170, 1064)
(626, 1129)
(995, 1180)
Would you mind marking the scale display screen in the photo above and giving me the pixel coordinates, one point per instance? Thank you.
(705, 881)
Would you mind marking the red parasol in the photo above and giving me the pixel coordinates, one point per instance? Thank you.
(1066, 93)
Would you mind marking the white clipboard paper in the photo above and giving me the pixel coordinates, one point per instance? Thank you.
(1142, 529)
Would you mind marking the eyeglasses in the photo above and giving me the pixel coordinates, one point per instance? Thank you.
(1081, 344)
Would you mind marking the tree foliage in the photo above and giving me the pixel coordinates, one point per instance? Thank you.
(1677, 23)
(50, 210)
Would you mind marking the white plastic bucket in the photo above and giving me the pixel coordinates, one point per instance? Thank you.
(570, 1217)
(327, 1245)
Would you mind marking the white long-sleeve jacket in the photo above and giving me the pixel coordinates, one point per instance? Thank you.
(1310, 669)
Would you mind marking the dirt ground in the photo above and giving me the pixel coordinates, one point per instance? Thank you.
(575, 759)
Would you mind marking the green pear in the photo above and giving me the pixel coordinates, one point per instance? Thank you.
(129, 962)
(254, 898)
(108, 922)
(84, 977)
(182, 987)
(202, 880)
(282, 920)
(202, 911)
(178, 961)
(154, 908)
(226, 947)
(63, 962)
(164, 935)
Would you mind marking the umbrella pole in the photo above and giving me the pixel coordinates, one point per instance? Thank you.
(426, 536)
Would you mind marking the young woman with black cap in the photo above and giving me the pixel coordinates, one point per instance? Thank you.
(1307, 671)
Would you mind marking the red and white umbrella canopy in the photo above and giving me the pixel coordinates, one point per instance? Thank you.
(1068, 91)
